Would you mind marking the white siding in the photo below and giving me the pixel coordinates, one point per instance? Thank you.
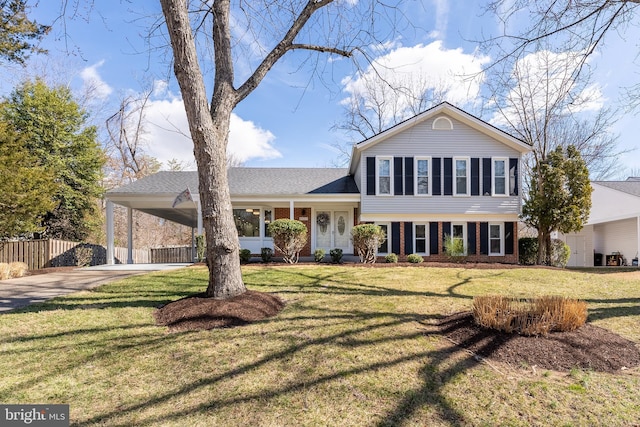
(617, 236)
(609, 205)
(422, 140)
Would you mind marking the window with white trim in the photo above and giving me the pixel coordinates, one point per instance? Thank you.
(496, 242)
(420, 239)
(499, 177)
(384, 174)
(422, 175)
(384, 248)
(461, 173)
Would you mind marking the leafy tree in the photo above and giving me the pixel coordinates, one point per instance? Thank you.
(18, 35)
(559, 197)
(321, 26)
(26, 187)
(54, 131)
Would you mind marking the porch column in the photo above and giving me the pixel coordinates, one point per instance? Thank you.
(291, 211)
(638, 236)
(199, 208)
(110, 233)
(129, 236)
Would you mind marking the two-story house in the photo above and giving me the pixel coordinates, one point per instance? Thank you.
(442, 172)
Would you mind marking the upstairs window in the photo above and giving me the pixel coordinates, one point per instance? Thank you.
(384, 173)
(461, 171)
(422, 175)
(500, 182)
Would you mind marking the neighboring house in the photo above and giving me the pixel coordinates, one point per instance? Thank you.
(611, 236)
(442, 172)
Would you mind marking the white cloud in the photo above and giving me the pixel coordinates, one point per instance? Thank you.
(448, 74)
(167, 134)
(93, 83)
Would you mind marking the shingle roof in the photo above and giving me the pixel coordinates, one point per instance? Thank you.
(251, 181)
(629, 186)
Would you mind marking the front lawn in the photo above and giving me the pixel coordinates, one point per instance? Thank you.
(355, 346)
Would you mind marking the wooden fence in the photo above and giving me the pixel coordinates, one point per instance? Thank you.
(176, 254)
(57, 253)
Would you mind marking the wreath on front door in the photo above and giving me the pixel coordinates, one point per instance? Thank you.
(323, 220)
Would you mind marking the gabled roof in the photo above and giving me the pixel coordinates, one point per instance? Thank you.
(451, 111)
(630, 186)
(249, 181)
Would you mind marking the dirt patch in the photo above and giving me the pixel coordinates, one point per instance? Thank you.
(588, 347)
(199, 312)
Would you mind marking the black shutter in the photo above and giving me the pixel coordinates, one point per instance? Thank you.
(408, 238)
(408, 176)
(446, 231)
(397, 176)
(448, 176)
(513, 177)
(371, 176)
(486, 177)
(484, 238)
(395, 237)
(508, 238)
(471, 238)
(475, 176)
(435, 189)
(433, 238)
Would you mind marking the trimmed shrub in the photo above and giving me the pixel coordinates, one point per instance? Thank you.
(535, 316)
(391, 258)
(289, 237)
(560, 253)
(245, 256)
(201, 247)
(528, 250)
(266, 254)
(318, 255)
(367, 238)
(415, 258)
(336, 255)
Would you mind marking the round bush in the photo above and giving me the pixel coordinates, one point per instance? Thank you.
(415, 258)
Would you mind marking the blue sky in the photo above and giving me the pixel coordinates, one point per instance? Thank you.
(288, 120)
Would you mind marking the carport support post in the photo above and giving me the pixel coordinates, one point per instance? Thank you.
(129, 236)
(110, 233)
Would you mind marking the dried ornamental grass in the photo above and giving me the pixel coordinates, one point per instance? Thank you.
(535, 316)
(15, 269)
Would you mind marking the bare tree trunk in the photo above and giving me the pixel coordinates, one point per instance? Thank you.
(210, 132)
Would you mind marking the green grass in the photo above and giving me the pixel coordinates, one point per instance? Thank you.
(353, 347)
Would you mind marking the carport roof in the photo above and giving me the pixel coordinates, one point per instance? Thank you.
(155, 193)
(630, 186)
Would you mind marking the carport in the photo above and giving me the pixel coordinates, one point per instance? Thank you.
(162, 195)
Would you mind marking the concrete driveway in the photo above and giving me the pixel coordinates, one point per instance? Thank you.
(20, 292)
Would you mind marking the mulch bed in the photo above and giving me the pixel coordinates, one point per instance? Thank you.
(198, 312)
(588, 347)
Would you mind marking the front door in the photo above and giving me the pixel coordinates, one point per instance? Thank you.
(332, 230)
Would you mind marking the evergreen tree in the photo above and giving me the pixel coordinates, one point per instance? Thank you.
(18, 34)
(559, 198)
(54, 130)
(26, 188)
